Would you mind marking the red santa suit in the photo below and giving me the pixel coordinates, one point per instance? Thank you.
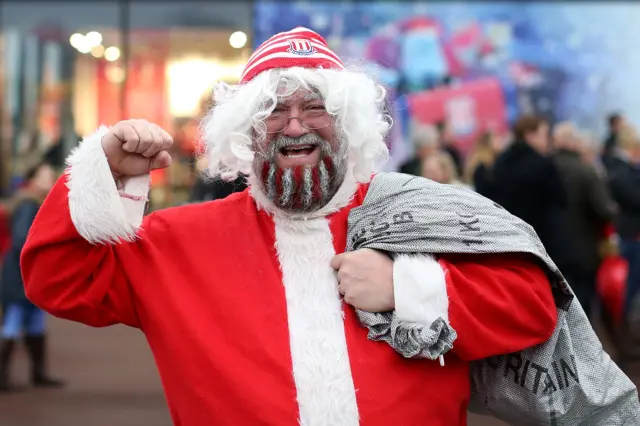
(241, 309)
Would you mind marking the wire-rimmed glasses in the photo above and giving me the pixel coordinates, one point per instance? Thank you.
(310, 119)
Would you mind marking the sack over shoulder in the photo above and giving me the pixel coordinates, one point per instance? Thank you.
(568, 380)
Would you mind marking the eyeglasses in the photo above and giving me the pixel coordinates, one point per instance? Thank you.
(310, 119)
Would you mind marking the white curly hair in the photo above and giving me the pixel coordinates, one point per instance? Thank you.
(353, 98)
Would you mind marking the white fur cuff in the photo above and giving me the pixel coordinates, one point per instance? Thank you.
(420, 289)
(97, 210)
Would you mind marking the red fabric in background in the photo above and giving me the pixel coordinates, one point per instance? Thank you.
(108, 96)
(612, 285)
(485, 106)
(5, 231)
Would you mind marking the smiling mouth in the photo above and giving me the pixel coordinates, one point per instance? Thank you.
(298, 155)
(297, 151)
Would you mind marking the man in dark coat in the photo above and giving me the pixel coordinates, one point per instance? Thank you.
(590, 208)
(614, 122)
(215, 189)
(209, 189)
(624, 181)
(528, 185)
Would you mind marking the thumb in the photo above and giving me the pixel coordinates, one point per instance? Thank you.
(337, 260)
(160, 161)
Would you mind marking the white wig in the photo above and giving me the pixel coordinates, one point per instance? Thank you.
(355, 101)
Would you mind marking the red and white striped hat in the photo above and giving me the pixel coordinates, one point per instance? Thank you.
(299, 47)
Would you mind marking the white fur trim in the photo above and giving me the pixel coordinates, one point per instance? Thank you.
(98, 212)
(321, 368)
(420, 289)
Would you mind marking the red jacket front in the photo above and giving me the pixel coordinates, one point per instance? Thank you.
(241, 310)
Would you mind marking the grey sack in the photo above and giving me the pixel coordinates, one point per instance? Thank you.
(575, 382)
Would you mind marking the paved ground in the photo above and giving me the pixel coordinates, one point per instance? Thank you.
(113, 381)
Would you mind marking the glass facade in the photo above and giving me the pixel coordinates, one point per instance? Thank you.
(68, 68)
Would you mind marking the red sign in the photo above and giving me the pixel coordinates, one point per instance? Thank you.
(146, 94)
(109, 77)
(471, 109)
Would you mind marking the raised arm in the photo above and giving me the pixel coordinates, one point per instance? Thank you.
(72, 262)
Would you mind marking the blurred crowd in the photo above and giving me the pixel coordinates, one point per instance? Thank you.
(580, 195)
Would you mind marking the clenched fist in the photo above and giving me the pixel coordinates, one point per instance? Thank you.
(366, 279)
(135, 147)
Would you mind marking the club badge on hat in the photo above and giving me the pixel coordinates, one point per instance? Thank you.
(299, 47)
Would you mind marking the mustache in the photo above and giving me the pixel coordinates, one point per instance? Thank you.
(282, 141)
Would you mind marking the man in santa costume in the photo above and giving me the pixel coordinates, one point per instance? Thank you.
(248, 302)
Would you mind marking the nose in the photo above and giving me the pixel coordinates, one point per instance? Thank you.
(294, 128)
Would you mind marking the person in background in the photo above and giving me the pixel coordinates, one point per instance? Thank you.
(528, 185)
(21, 317)
(478, 170)
(424, 138)
(590, 208)
(624, 181)
(209, 189)
(6, 135)
(440, 168)
(590, 152)
(448, 144)
(615, 122)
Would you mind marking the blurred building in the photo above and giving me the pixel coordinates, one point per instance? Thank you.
(70, 67)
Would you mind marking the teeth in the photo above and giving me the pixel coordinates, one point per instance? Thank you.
(296, 151)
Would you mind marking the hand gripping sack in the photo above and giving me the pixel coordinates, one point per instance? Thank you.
(568, 380)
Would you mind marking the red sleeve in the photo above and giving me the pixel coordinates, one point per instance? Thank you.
(498, 304)
(70, 278)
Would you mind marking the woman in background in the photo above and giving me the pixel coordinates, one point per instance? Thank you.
(480, 162)
(440, 167)
(21, 317)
